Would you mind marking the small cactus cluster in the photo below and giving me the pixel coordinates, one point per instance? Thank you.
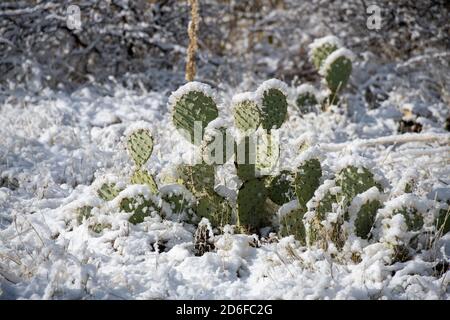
(334, 64)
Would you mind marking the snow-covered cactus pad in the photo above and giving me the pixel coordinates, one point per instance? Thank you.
(336, 69)
(140, 146)
(142, 176)
(321, 48)
(363, 210)
(251, 203)
(193, 108)
(355, 180)
(138, 200)
(179, 199)
(306, 98)
(307, 180)
(290, 219)
(108, 191)
(272, 97)
(198, 179)
(247, 117)
(280, 187)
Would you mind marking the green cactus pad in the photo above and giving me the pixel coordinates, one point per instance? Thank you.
(140, 207)
(108, 191)
(247, 116)
(216, 209)
(140, 146)
(281, 187)
(246, 163)
(319, 54)
(354, 181)
(307, 180)
(251, 201)
(180, 200)
(199, 178)
(292, 224)
(366, 218)
(273, 109)
(142, 176)
(338, 73)
(191, 107)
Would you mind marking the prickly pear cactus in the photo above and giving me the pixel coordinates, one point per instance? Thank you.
(251, 201)
(192, 106)
(337, 70)
(307, 180)
(108, 191)
(247, 116)
(198, 179)
(281, 187)
(216, 209)
(140, 146)
(354, 181)
(322, 48)
(273, 104)
(291, 221)
(140, 206)
(142, 176)
(245, 158)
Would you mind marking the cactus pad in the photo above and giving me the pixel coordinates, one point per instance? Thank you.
(280, 187)
(142, 176)
(83, 213)
(273, 109)
(251, 204)
(337, 74)
(140, 146)
(247, 116)
(140, 207)
(354, 181)
(194, 106)
(366, 218)
(413, 219)
(320, 53)
(307, 180)
(291, 223)
(108, 191)
(306, 102)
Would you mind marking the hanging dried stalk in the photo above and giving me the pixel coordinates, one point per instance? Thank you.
(192, 49)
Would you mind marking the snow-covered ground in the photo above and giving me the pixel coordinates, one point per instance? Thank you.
(55, 145)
